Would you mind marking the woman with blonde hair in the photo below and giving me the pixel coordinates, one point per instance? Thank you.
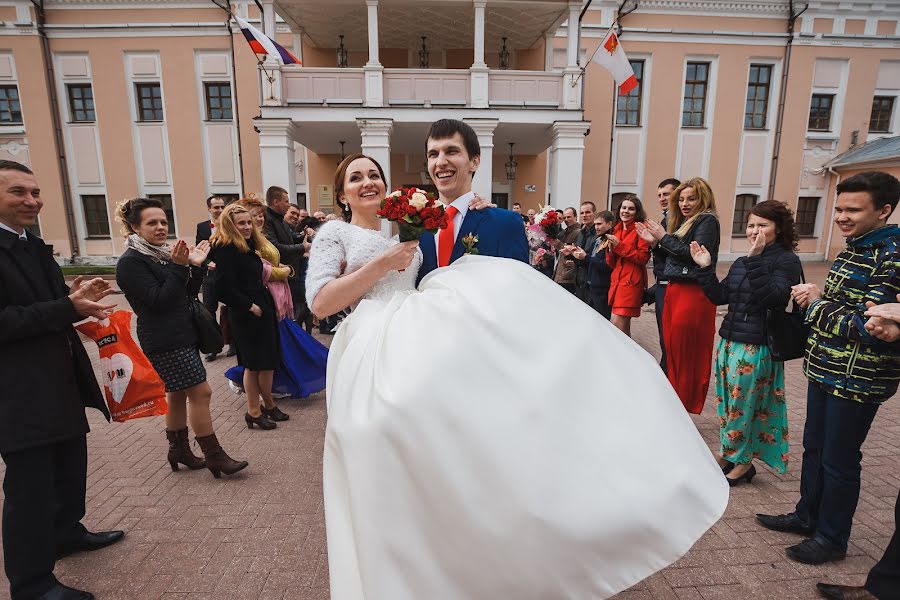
(689, 318)
(160, 281)
(303, 359)
(252, 312)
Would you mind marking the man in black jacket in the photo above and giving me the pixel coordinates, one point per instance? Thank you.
(657, 292)
(282, 237)
(205, 230)
(584, 246)
(48, 381)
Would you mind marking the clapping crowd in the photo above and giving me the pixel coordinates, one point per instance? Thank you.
(851, 355)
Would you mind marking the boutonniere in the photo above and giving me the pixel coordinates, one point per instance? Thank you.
(470, 242)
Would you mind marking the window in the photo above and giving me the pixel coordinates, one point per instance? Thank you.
(218, 101)
(149, 101)
(693, 110)
(628, 107)
(500, 199)
(10, 109)
(35, 229)
(166, 200)
(820, 112)
(743, 204)
(301, 199)
(758, 86)
(882, 111)
(81, 102)
(807, 208)
(96, 219)
(617, 199)
(228, 198)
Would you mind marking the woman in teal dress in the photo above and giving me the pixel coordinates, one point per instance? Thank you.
(749, 383)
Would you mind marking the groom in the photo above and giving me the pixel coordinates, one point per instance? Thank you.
(453, 154)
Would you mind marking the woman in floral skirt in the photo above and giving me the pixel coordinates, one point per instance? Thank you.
(749, 383)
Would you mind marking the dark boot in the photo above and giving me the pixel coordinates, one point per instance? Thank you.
(216, 460)
(180, 450)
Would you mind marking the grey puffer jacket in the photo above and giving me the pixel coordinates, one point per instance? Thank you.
(753, 285)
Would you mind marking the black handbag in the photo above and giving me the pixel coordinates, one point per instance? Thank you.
(786, 332)
(209, 337)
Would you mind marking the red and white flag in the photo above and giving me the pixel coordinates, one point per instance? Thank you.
(611, 56)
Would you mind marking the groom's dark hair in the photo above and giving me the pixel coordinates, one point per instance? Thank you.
(447, 128)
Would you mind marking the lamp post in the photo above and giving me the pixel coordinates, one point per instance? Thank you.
(423, 55)
(504, 56)
(343, 156)
(341, 54)
(511, 164)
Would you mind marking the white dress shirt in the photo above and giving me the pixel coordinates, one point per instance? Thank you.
(461, 204)
(22, 235)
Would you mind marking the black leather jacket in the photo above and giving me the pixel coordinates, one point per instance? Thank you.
(679, 264)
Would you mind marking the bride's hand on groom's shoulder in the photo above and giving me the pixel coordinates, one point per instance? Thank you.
(479, 202)
(399, 256)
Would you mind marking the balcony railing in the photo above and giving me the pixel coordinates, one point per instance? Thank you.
(423, 88)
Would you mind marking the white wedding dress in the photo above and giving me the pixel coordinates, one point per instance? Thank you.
(490, 437)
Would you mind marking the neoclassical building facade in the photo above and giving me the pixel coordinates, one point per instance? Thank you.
(118, 98)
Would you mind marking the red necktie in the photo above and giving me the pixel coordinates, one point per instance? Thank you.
(447, 238)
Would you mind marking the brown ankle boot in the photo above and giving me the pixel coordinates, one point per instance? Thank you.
(216, 460)
(180, 451)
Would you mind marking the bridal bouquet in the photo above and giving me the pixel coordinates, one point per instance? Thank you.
(415, 211)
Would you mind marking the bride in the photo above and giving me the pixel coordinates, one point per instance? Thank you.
(463, 458)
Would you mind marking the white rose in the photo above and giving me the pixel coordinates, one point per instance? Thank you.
(418, 200)
(395, 194)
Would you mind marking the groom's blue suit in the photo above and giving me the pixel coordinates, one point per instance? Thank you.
(500, 233)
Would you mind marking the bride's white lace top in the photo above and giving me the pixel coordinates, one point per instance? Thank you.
(338, 242)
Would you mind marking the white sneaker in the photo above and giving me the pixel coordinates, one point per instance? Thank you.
(280, 395)
(235, 388)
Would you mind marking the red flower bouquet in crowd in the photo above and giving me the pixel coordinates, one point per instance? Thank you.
(551, 224)
(415, 211)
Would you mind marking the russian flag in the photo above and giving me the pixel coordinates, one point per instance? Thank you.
(260, 43)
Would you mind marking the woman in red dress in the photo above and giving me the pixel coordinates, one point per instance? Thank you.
(628, 255)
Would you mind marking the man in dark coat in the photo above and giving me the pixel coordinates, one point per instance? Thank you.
(48, 381)
(281, 235)
(656, 293)
(584, 247)
(205, 230)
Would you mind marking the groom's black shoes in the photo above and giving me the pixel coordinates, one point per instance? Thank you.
(89, 541)
(789, 523)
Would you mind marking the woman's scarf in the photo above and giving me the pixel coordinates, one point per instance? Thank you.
(161, 254)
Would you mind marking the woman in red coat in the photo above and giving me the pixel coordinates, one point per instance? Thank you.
(628, 256)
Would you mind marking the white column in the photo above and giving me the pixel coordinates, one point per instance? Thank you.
(298, 45)
(376, 142)
(567, 158)
(548, 50)
(276, 153)
(572, 93)
(268, 18)
(484, 176)
(572, 28)
(479, 33)
(374, 72)
(478, 72)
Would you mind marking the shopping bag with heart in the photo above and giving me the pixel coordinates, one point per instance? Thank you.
(133, 389)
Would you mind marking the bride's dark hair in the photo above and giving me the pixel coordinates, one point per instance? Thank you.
(341, 174)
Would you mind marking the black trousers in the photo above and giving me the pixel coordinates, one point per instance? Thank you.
(210, 300)
(884, 578)
(44, 491)
(660, 296)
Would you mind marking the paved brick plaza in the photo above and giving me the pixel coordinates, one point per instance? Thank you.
(261, 534)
